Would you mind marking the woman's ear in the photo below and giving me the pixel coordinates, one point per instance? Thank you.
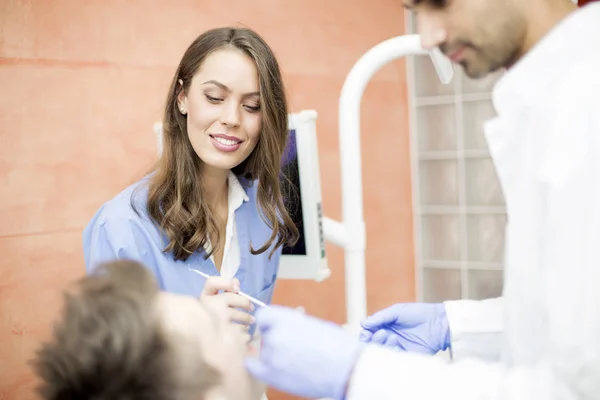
(181, 98)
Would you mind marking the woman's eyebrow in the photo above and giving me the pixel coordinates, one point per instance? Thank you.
(228, 90)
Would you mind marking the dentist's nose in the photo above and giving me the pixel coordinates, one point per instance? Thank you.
(432, 31)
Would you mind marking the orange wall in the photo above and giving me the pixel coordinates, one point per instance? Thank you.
(81, 83)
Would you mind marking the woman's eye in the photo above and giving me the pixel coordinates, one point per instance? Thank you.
(213, 99)
(253, 108)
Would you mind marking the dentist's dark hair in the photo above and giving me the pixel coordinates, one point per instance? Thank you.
(176, 197)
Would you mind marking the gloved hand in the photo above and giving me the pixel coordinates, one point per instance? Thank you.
(303, 355)
(416, 327)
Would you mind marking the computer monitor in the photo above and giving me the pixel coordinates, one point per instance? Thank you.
(301, 187)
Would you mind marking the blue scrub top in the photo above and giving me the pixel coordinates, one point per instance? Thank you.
(117, 232)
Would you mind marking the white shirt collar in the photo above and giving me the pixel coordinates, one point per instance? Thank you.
(236, 193)
(531, 77)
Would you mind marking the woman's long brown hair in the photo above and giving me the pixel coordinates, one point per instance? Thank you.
(176, 197)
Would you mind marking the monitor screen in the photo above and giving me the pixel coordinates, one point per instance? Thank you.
(292, 193)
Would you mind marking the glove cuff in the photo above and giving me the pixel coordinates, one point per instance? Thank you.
(442, 322)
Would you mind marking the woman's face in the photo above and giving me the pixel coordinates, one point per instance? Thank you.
(222, 104)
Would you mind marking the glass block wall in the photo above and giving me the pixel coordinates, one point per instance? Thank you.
(458, 206)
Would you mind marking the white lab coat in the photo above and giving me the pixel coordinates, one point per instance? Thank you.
(541, 340)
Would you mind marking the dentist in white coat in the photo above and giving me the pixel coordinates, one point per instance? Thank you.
(541, 340)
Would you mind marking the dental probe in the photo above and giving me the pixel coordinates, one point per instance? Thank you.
(252, 299)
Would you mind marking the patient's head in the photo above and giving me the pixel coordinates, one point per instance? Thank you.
(119, 337)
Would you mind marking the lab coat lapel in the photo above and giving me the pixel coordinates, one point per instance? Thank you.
(501, 139)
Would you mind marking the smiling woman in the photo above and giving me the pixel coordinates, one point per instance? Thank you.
(213, 202)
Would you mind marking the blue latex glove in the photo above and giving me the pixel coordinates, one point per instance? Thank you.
(416, 327)
(302, 355)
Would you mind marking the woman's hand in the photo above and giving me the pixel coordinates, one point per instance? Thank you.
(239, 307)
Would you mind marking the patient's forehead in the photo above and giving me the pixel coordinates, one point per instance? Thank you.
(182, 314)
(187, 327)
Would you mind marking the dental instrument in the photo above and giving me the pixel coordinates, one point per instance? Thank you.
(252, 299)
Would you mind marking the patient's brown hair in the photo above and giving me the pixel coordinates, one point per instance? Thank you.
(109, 344)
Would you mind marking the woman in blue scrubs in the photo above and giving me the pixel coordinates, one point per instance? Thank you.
(213, 202)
